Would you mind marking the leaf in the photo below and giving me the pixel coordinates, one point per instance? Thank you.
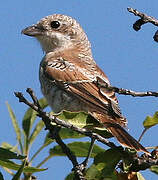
(93, 173)
(64, 133)
(1, 176)
(107, 161)
(28, 121)
(19, 172)
(15, 124)
(30, 117)
(10, 147)
(70, 176)
(154, 169)
(80, 149)
(69, 134)
(36, 131)
(47, 141)
(151, 121)
(139, 176)
(33, 169)
(6, 154)
(83, 120)
(78, 119)
(43, 103)
(11, 165)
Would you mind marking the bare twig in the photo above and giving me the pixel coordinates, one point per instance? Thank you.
(126, 91)
(142, 134)
(77, 168)
(144, 18)
(133, 93)
(152, 147)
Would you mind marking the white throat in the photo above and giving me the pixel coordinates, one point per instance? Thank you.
(55, 41)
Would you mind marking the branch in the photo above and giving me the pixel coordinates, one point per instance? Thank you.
(144, 18)
(126, 91)
(138, 163)
(50, 118)
(133, 93)
(144, 162)
(54, 131)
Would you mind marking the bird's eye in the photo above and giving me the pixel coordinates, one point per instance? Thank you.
(55, 24)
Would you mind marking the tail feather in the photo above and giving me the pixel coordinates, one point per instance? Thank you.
(124, 138)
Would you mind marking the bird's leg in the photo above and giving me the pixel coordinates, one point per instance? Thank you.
(84, 164)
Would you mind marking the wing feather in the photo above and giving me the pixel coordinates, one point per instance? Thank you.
(80, 83)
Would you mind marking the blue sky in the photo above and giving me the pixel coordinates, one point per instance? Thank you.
(129, 59)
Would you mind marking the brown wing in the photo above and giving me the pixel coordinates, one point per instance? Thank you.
(82, 82)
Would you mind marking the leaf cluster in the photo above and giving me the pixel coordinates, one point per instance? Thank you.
(106, 162)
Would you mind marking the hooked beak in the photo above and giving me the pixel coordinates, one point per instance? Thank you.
(33, 30)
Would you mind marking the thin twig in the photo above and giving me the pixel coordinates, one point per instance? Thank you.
(126, 91)
(152, 147)
(142, 134)
(133, 93)
(144, 18)
(85, 162)
(34, 98)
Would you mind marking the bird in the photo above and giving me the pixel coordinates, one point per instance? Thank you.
(72, 81)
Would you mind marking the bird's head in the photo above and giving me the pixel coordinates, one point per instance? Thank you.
(57, 32)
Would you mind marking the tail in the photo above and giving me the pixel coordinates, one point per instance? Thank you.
(124, 138)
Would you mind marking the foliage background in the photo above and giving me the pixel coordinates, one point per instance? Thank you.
(127, 57)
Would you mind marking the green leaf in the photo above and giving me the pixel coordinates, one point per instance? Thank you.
(15, 125)
(1, 176)
(47, 140)
(83, 120)
(30, 117)
(64, 133)
(46, 143)
(92, 173)
(70, 176)
(19, 172)
(106, 162)
(6, 154)
(43, 103)
(151, 121)
(69, 134)
(78, 119)
(11, 165)
(80, 149)
(139, 176)
(28, 121)
(154, 169)
(10, 147)
(33, 169)
(36, 131)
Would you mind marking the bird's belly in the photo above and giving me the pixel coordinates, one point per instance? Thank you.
(60, 100)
